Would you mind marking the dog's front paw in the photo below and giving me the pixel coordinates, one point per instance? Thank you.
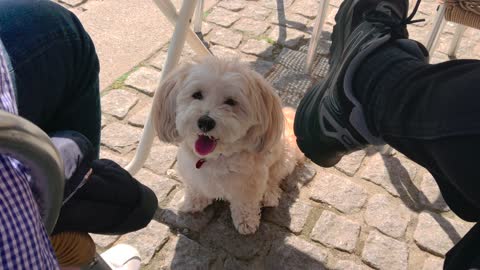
(271, 197)
(246, 220)
(193, 203)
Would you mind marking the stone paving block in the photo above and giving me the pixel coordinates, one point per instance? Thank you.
(146, 80)
(161, 158)
(120, 160)
(336, 231)
(385, 253)
(183, 253)
(261, 66)
(225, 37)
(433, 263)
(291, 214)
(251, 27)
(118, 102)
(119, 136)
(186, 56)
(195, 222)
(391, 173)
(277, 5)
(307, 8)
(321, 67)
(301, 176)
(257, 47)
(222, 17)
(437, 234)
(291, 86)
(161, 185)
(350, 163)
(235, 264)
(285, 36)
(225, 53)
(221, 234)
(430, 195)
(148, 240)
(233, 5)
(349, 265)
(339, 192)
(104, 241)
(255, 12)
(289, 19)
(103, 121)
(140, 118)
(386, 215)
(295, 253)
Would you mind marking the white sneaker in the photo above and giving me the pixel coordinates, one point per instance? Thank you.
(122, 257)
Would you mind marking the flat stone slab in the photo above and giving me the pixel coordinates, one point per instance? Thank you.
(285, 36)
(255, 12)
(387, 215)
(336, 231)
(113, 26)
(118, 102)
(391, 173)
(257, 47)
(338, 192)
(306, 8)
(148, 240)
(295, 253)
(222, 17)
(251, 27)
(438, 234)
(145, 79)
(104, 241)
(431, 196)
(183, 253)
(291, 214)
(119, 136)
(385, 253)
(349, 265)
(161, 185)
(350, 163)
(225, 37)
(194, 222)
(161, 158)
(140, 118)
(433, 263)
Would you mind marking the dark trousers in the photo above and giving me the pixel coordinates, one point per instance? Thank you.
(431, 113)
(56, 68)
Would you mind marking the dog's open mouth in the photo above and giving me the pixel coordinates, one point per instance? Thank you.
(205, 144)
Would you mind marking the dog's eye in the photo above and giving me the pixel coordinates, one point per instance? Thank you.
(198, 95)
(230, 102)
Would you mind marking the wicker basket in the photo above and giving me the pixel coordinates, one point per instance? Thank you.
(466, 12)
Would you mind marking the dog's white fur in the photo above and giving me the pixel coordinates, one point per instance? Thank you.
(253, 153)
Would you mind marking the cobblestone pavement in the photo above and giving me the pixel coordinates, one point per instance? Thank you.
(369, 211)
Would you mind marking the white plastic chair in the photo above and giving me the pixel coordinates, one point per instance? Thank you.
(182, 33)
(316, 34)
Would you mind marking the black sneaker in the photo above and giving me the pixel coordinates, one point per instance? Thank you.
(329, 122)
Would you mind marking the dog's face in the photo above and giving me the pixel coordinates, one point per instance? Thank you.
(218, 107)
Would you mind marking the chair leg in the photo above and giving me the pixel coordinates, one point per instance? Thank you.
(197, 20)
(317, 32)
(460, 29)
(438, 25)
(174, 50)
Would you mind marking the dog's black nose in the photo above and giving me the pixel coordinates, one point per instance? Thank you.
(206, 123)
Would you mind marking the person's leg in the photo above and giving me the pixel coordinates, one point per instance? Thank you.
(55, 67)
(380, 88)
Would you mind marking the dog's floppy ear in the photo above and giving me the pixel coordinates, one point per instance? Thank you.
(165, 105)
(268, 107)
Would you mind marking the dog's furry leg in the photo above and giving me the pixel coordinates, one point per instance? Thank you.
(246, 216)
(193, 201)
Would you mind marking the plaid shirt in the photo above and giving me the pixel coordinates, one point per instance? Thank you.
(24, 243)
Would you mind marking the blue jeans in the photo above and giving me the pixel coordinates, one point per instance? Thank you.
(55, 67)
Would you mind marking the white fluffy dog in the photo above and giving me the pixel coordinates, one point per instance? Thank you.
(229, 124)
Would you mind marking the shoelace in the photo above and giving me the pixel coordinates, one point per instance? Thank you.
(398, 27)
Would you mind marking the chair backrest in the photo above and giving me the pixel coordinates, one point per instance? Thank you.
(465, 12)
(27, 143)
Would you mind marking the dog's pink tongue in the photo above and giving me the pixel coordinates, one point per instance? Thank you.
(204, 145)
